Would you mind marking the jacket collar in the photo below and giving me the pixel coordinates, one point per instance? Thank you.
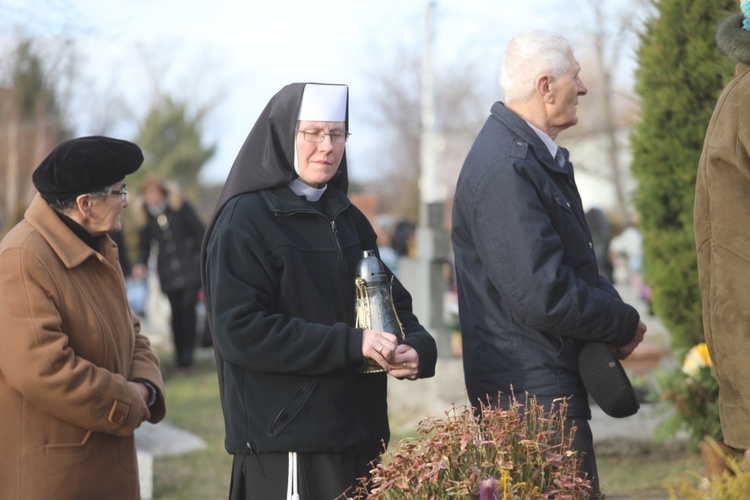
(525, 133)
(71, 250)
(551, 145)
(283, 201)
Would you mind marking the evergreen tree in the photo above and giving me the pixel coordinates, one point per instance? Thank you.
(680, 76)
(171, 140)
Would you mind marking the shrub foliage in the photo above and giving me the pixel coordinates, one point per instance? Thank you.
(521, 452)
(679, 78)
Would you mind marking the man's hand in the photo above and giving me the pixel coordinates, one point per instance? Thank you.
(627, 349)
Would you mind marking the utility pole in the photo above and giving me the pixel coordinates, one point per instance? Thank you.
(423, 274)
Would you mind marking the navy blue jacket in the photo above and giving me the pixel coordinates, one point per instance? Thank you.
(529, 291)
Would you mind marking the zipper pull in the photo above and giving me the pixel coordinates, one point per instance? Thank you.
(249, 447)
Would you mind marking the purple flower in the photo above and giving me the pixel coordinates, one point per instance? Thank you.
(488, 489)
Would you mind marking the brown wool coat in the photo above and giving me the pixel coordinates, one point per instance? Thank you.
(68, 346)
(722, 234)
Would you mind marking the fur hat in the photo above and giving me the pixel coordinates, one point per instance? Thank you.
(85, 165)
(733, 37)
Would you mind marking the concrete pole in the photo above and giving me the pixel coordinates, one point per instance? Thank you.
(429, 190)
(423, 274)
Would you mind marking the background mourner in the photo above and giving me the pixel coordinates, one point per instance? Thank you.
(169, 226)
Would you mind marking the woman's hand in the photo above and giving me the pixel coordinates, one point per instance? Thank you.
(378, 347)
(142, 391)
(404, 362)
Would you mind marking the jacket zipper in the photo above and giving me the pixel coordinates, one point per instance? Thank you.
(342, 268)
(294, 397)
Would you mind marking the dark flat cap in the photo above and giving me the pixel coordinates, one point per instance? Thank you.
(606, 381)
(85, 165)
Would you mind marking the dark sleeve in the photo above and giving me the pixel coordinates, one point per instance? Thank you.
(197, 228)
(606, 286)
(122, 252)
(249, 332)
(525, 261)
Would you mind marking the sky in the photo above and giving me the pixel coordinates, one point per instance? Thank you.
(237, 54)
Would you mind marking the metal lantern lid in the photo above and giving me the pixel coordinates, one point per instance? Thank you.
(371, 270)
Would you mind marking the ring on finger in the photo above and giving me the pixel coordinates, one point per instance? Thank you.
(404, 364)
(380, 349)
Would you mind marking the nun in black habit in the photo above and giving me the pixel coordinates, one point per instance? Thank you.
(278, 267)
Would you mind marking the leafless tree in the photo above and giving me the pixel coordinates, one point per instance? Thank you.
(395, 113)
(605, 47)
(608, 31)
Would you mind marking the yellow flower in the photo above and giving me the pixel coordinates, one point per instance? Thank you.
(696, 359)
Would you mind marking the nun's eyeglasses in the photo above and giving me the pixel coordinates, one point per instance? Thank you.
(318, 136)
(122, 193)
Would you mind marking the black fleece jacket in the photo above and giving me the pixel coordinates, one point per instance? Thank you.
(281, 275)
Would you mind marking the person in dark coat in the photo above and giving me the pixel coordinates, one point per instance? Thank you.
(122, 253)
(278, 267)
(170, 223)
(529, 290)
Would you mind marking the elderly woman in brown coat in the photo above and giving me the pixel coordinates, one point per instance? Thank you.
(722, 236)
(76, 376)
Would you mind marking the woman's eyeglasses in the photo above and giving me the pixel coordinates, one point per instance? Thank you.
(122, 193)
(318, 136)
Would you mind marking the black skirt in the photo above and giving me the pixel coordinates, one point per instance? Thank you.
(320, 476)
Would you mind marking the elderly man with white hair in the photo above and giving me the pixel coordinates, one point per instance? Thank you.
(530, 295)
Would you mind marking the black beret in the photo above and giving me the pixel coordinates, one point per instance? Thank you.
(606, 380)
(85, 165)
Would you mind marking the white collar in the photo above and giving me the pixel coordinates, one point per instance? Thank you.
(547, 140)
(308, 192)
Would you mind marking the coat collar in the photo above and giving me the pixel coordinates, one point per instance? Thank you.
(524, 131)
(71, 250)
(283, 201)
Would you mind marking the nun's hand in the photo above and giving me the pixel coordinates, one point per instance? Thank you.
(378, 347)
(405, 362)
